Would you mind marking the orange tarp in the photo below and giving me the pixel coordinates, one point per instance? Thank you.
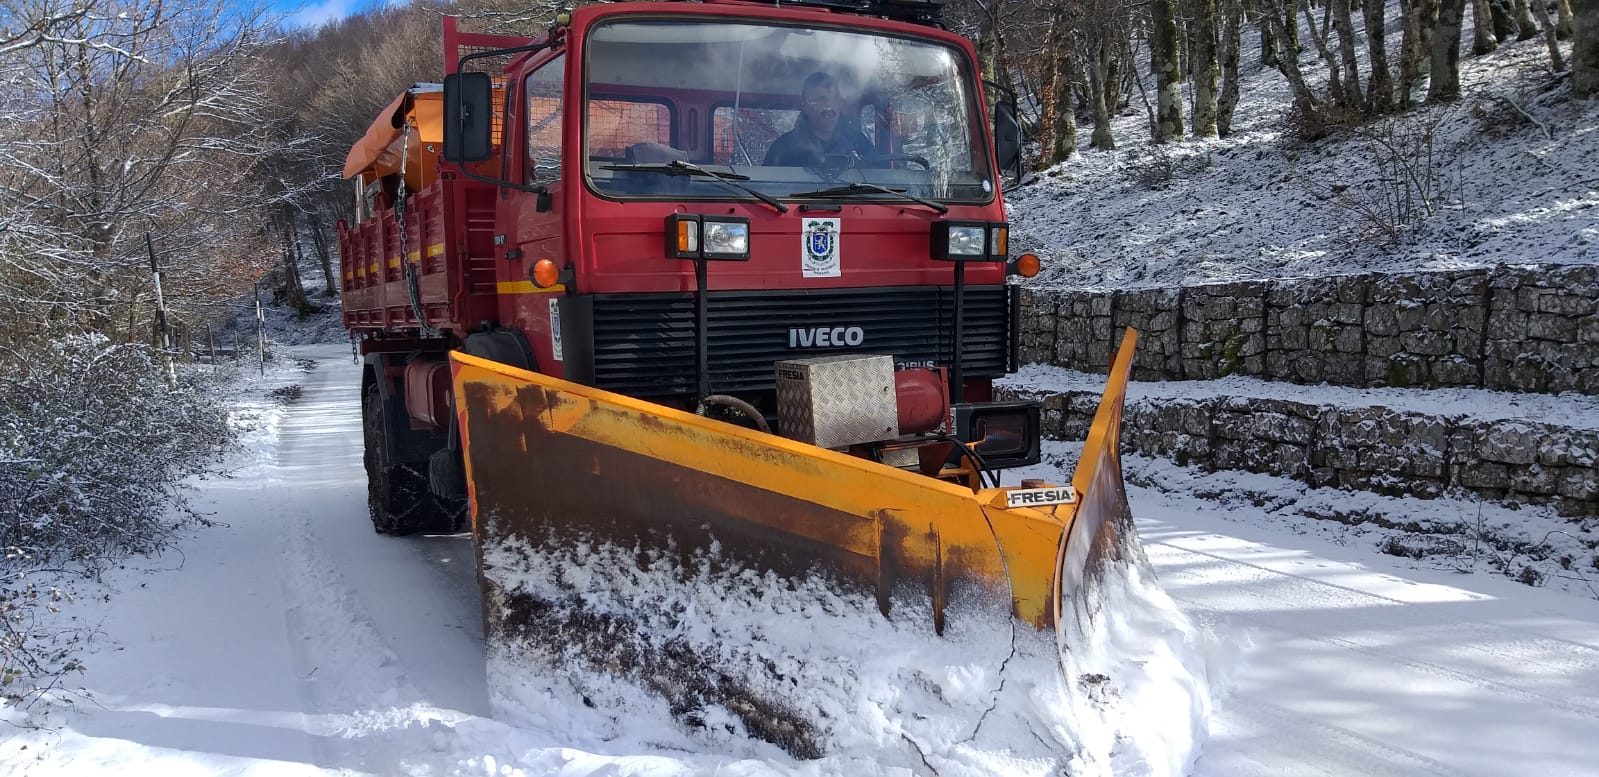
(377, 153)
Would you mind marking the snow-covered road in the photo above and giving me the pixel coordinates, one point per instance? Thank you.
(292, 639)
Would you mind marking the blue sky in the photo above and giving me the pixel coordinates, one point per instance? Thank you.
(315, 13)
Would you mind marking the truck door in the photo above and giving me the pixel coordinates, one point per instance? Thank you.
(533, 224)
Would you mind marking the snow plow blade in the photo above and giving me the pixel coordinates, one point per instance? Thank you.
(552, 465)
(552, 460)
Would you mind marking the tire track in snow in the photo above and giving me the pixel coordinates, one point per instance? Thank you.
(1466, 637)
(1352, 681)
(1314, 747)
(355, 689)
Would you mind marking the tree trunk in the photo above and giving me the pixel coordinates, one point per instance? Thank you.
(1168, 71)
(1585, 48)
(1482, 28)
(293, 290)
(1504, 23)
(1526, 26)
(1380, 87)
(1060, 114)
(1291, 26)
(1335, 79)
(988, 43)
(1550, 37)
(1205, 68)
(1416, 48)
(1445, 83)
(1344, 23)
(1104, 92)
(319, 241)
(1563, 13)
(1231, 41)
(1268, 45)
(1304, 98)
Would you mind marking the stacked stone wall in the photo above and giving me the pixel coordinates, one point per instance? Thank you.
(1532, 329)
(1368, 448)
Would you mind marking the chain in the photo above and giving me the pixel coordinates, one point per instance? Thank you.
(413, 271)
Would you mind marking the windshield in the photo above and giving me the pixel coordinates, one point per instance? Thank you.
(788, 110)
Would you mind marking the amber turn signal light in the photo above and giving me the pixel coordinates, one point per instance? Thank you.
(545, 274)
(1027, 265)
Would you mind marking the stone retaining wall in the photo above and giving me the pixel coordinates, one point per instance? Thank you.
(1513, 329)
(1371, 448)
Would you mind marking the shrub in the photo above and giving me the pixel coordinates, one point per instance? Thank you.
(96, 441)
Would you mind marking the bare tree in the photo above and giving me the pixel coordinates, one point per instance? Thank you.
(1165, 62)
(148, 115)
(1483, 40)
(1335, 74)
(1205, 66)
(1305, 102)
(1231, 42)
(1526, 26)
(1416, 48)
(1585, 48)
(1445, 82)
(1380, 86)
(1551, 36)
(1343, 23)
(1060, 110)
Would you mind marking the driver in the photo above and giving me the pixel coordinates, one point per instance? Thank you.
(818, 132)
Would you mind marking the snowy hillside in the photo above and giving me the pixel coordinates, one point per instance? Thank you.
(1512, 169)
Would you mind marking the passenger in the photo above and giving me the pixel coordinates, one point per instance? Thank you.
(819, 131)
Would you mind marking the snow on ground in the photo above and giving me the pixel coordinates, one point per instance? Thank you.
(1358, 663)
(1578, 411)
(1262, 205)
(291, 639)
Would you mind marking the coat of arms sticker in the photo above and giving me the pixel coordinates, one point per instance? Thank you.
(819, 249)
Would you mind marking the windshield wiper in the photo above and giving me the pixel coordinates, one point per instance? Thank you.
(861, 187)
(680, 167)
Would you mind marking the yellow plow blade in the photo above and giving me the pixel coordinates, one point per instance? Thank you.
(547, 458)
(556, 466)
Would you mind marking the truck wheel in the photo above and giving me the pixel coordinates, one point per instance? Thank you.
(397, 493)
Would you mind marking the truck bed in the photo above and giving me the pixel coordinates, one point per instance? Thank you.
(449, 236)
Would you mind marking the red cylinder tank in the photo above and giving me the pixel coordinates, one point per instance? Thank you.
(923, 397)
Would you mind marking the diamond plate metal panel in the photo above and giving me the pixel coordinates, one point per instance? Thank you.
(836, 401)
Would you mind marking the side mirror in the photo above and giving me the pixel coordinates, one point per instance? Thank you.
(468, 117)
(1007, 137)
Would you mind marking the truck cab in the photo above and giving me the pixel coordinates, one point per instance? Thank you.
(666, 199)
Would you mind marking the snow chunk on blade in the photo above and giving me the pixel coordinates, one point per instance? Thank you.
(1140, 672)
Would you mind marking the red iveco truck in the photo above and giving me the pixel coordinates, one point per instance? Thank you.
(666, 199)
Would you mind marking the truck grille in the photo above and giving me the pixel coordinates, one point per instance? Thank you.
(644, 343)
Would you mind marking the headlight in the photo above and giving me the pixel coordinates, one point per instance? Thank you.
(966, 241)
(726, 239)
(970, 241)
(1005, 434)
(692, 236)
